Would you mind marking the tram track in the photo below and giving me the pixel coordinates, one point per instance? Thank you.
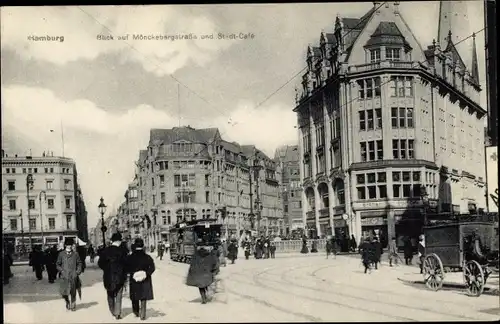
(393, 304)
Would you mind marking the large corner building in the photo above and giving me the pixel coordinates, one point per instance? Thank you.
(187, 174)
(389, 130)
(43, 211)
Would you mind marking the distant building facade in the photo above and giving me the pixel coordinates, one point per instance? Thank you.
(188, 173)
(55, 204)
(287, 157)
(385, 125)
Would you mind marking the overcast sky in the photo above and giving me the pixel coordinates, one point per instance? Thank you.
(108, 94)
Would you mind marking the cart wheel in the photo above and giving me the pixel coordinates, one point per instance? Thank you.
(474, 278)
(433, 272)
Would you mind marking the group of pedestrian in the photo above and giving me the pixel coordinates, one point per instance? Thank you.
(117, 265)
(371, 253)
(263, 247)
(162, 249)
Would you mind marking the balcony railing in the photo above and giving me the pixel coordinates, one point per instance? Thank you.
(382, 65)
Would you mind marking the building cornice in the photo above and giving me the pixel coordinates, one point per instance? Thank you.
(358, 166)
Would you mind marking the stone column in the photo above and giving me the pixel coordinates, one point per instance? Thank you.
(331, 200)
(317, 206)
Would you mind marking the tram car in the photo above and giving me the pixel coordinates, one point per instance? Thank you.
(183, 237)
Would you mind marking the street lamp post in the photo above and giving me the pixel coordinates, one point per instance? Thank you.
(29, 185)
(425, 202)
(102, 210)
(41, 215)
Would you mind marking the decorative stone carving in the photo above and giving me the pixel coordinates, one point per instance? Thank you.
(337, 174)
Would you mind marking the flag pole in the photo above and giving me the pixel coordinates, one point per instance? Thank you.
(62, 138)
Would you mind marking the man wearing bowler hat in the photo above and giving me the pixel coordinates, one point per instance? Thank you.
(69, 266)
(113, 263)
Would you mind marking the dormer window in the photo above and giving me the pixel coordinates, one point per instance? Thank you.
(374, 55)
(393, 54)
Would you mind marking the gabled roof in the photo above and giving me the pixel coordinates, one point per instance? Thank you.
(287, 153)
(387, 32)
(167, 136)
(455, 56)
(233, 147)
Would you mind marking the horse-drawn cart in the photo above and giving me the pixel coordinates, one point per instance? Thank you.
(467, 246)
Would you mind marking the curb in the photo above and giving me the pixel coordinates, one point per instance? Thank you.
(488, 290)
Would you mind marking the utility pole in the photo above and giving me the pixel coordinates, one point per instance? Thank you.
(256, 169)
(251, 216)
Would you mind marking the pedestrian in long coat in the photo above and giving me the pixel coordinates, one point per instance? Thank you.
(69, 266)
(113, 263)
(304, 246)
(353, 243)
(408, 250)
(7, 263)
(202, 269)
(140, 266)
(222, 249)
(377, 252)
(258, 249)
(367, 253)
(232, 250)
(50, 263)
(393, 252)
(272, 249)
(247, 247)
(37, 261)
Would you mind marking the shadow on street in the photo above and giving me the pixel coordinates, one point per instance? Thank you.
(25, 288)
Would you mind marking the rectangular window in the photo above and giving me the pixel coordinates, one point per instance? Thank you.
(68, 221)
(152, 182)
(207, 196)
(13, 170)
(402, 115)
(361, 193)
(177, 180)
(396, 191)
(35, 170)
(409, 86)
(12, 204)
(361, 86)
(393, 87)
(162, 180)
(393, 54)
(394, 117)
(192, 180)
(360, 179)
(401, 87)
(371, 151)
(377, 87)
(164, 219)
(66, 184)
(369, 88)
(396, 176)
(13, 224)
(402, 151)
(411, 150)
(207, 180)
(31, 204)
(375, 55)
(32, 224)
(406, 176)
(362, 121)
(372, 192)
(67, 203)
(50, 203)
(416, 190)
(11, 185)
(406, 191)
(378, 118)
(50, 184)
(370, 119)
(163, 198)
(154, 200)
(409, 117)
(380, 150)
(363, 152)
(52, 223)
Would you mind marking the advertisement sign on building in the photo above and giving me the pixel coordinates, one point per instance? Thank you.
(492, 171)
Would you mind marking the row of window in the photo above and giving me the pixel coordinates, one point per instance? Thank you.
(32, 203)
(391, 54)
(49, 184)
(399, 86)
(35, 170)
(372, 118)
(374, 185)
(33, 224)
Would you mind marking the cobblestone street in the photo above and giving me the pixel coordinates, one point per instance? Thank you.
(307, 288)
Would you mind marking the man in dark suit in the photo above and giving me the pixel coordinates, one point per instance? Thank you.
(112, 261)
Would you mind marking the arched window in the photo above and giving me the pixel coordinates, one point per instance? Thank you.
(186, 214)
